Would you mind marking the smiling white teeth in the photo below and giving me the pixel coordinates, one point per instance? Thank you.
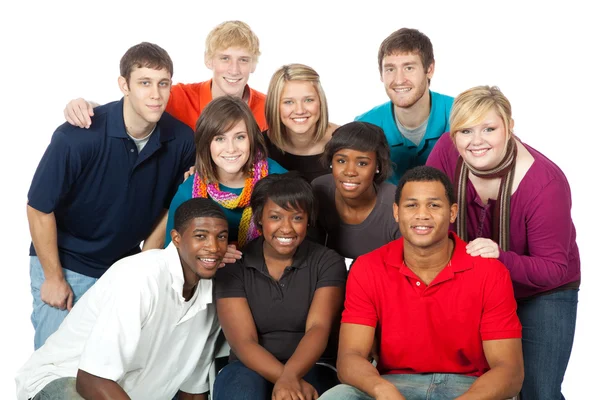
(479, 152)
(284, 240)
(209, 260)
(299, 120)
(232, 80)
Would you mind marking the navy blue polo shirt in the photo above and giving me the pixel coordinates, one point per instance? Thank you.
(105, 196)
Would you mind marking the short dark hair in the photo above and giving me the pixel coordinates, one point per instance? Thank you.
(425, 173)
(219, 116)
(288, 191)
(406, 40)
(145, 55)
(198, 207)
(361, 136)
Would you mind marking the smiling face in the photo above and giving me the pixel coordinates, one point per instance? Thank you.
(230, 152)
(405, 78)
(231, 69)
(146, 95)
(483, 146)
(353, 172)
(300, 107)
(283, 230)
(201, 247)
(424, 214)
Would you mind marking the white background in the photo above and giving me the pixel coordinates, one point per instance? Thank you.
(544, 57)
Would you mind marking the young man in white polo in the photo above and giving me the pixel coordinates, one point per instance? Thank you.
(146, 329)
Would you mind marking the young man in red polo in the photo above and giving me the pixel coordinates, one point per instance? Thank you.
(445, 322)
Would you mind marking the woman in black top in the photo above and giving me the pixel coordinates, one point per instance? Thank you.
(280, 302)
(297, 115)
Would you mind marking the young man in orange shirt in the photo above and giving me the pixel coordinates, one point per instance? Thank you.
(231, 52)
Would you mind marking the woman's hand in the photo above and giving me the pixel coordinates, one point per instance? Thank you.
(290, 388)
(231, 255)
(483, 247)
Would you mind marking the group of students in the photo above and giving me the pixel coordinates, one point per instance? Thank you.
(483, 313)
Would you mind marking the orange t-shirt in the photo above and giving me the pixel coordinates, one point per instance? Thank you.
(189, 99)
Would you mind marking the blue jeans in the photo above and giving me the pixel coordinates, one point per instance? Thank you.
(46, 319)
(411, 386)
(59, 389)
(548, 331)
(238, 382)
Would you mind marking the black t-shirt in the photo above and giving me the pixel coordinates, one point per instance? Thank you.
(280, 308)
(309, 167)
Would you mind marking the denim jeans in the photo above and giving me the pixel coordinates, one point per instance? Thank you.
(412, 386)
(238, 382)
(59, 389)
(548, 331)
(46, 319)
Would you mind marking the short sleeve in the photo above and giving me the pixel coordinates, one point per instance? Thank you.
(229, 281)
(197, 382)
(275, 167)
(184, 193)
(58, 169)
(499, 319)
(359, 306)
(111, 346)
(332, 270)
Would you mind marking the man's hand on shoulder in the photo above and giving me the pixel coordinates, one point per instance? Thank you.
(57, 292)
(78, 112)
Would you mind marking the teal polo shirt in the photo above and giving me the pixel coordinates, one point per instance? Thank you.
(405, 154)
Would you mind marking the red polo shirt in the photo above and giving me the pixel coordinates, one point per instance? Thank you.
(436, 328)
(189, 99)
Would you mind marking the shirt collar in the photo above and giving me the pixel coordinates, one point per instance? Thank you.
(254, 257)
(204, 289)
(116, 125)
(460, 260)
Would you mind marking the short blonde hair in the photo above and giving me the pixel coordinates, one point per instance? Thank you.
(287, 73)
(471, 106)
(232, 34)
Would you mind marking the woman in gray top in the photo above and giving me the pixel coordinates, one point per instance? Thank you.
(355, 202)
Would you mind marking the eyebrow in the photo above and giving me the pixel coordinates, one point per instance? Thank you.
(428, 199)
(345, 156)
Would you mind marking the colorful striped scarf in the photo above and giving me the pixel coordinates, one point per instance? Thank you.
(247, 229)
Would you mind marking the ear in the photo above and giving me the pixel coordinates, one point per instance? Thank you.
(512, 125)
(175, 238)
(453, 212)
(395, 210)
(208, 62)
(253, 68)
(430, 70)
(123, 86)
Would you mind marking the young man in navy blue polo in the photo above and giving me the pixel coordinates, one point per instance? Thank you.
(98, 193)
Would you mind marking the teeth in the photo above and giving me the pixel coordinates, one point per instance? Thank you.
(284, 240)
(479, 152)
(300, 120)
(402, 90)
(208, 259)
(231, 158)
(232, 80)
(421, 228)
(348, 184)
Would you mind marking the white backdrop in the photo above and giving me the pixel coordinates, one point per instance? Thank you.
(543, 57)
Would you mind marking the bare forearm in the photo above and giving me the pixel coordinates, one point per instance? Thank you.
(258, 359)
(357, 371)
(497, 384)
(156, 239)
(189, 396)
(93, 387)
(308, 352)
(44, 237)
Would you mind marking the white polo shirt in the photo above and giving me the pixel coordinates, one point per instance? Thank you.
(133, 327)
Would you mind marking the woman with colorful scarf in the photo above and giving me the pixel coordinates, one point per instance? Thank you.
(230, 158)
(515, 205)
